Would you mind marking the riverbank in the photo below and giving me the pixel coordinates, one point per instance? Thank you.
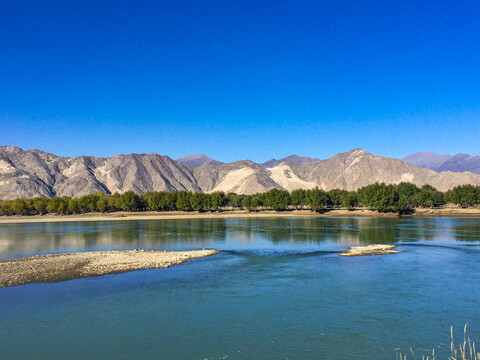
(61, 267)
(232, 214)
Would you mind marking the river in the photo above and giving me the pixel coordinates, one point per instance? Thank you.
(279, 290)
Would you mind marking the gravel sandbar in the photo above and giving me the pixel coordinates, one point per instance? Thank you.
(370, 250)
(61, 267)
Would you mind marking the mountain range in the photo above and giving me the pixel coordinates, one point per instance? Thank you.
(30, 173)
(438, 162)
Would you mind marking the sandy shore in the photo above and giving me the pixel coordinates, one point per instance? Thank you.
(178, 215)
(61, 267)
(448, 212)
(378, 249)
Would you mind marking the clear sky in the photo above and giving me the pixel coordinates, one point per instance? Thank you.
(240, 79)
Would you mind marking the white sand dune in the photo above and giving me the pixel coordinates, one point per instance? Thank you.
(284, 176)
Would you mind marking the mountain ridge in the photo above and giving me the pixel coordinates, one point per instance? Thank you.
(289, 159)
(197, 160)
(31, 173)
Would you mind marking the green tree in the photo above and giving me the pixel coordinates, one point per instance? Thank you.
(258, 201)
(464, 195)
(40, 204)
(169, 200)
(380, 197)
(318, 200)
(233, 200)
(52, 206)
(428, 196)
(277, 200)
(247, 203)
(113, 201)
(350, 200)
(5, 207)
(252, 202)
(153, 200)
(183, 201)
(19, 206)
(102, 204)
(58, 205)
(337, 196)
(407, 192)
(129, 201)
(74, 205)
(197, 201)
(299, 198)
(88, 203)
(218, 200)
(62, 206)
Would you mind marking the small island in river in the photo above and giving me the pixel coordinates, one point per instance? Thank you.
(375, 249)
(61, 267)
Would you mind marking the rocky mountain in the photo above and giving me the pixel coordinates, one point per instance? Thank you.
(241, 177)
(290, 159)
(197, 160)
(437, 162)
(30, 173)
(358, 168)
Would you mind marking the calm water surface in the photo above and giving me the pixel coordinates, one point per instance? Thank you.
(279, 291)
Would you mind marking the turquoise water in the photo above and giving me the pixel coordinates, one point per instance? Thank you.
(279, 291)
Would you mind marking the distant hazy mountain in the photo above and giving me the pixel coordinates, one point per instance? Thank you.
(290, 159)
(462, 162)
(31, 173)
(437, 162)
(197, 160)
(426, 159)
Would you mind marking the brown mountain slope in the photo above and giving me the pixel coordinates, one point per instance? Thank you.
(357, 168)
(27, 173)
(33, 173)
(242, 177)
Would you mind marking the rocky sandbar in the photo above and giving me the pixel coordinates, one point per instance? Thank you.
(60, 267)
(376, 249)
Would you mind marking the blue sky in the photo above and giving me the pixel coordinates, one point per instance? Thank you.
(240, 79)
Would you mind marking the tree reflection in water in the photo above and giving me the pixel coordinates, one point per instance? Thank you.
(24, 239)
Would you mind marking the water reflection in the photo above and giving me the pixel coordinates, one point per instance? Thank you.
(343, 230)
(22, 239)
(466, 230)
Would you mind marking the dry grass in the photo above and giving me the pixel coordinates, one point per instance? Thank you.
(465, 351)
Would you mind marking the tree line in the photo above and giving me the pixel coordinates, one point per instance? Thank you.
(400, 198)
